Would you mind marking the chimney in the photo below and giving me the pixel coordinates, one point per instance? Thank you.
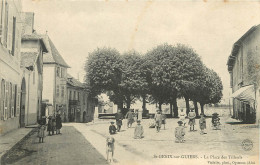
(28, 22)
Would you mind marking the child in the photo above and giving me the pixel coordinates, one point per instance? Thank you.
(202, 123)
(139, 131)
(179, 133)
(182, 117)
(191, 116)
(41, 130)
(110, 148)
(112, 128)
(215, 121)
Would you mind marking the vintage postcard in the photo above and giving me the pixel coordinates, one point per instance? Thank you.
(129, 82)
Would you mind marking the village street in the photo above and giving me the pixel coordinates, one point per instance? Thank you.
(82, 143)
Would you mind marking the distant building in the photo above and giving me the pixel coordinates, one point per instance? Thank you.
(10, 83)
(54, 80)
(32, 50)
(81, 106)
(244, 68)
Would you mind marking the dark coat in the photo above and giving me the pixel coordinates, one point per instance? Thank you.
(112, 129)
(58, 122)
(119, 117)
(49, 127)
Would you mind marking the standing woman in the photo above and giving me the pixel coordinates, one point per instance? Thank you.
(163, 119)
(49, 127)
(158, 120)
(58, 124)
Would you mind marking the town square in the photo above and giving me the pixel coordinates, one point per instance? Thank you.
(129, 82)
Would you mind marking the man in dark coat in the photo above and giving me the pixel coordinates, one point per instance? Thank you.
(119, 117)
(58, 124)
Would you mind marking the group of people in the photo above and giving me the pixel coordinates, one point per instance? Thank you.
(180, 130)
(130, 116)
(54, 124)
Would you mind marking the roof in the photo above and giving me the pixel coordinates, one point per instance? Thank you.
(74, 82)
(237, 45)
(53, 56)
(35, 36)
(28, 58)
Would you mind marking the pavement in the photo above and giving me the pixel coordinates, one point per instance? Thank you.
(85, 143)
(8, 140)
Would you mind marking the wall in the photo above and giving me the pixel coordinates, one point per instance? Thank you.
(10, 67)
(48, 82)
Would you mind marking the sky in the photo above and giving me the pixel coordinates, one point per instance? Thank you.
(77, 27)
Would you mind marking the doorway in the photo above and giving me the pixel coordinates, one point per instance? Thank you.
(22, 104)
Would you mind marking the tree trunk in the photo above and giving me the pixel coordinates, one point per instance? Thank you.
(202, 107)
(160, 106)
(175, 108)
(144, 103)
(187, 105)
(128, 102)
(171, 109)
(196, 108)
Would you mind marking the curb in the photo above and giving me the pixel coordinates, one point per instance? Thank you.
(2, 158)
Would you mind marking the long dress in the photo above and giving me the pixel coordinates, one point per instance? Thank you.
(139, 131)
(202, 122)
(191, 116)
(179, 134)
(58, 122)
(41, 131)
(158, 119)
(182, 117)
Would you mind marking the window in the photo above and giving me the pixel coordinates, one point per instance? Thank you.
(10, 100)
(78, 95)
(74, 98)
(61, 72)
(70, 97)
(58, 71)
(62, 91)
(6, 100)
(13, 36)
(58, 90)
(15, 100)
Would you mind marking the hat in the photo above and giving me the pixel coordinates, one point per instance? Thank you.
(112, 122)
(180, 122)
(138, 121)
(215, 114)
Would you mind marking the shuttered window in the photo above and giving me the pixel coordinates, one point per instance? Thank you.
(2, 103)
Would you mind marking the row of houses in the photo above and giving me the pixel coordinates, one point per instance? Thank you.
(244, 68)
(33, 75)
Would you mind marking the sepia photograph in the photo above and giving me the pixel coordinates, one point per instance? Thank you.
(128, 82)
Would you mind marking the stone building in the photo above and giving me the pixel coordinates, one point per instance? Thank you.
(10, 83)
(32, 50)
(244, 68)
(54, 80)
(81, 106)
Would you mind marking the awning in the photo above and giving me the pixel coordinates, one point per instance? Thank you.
(245, 93)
